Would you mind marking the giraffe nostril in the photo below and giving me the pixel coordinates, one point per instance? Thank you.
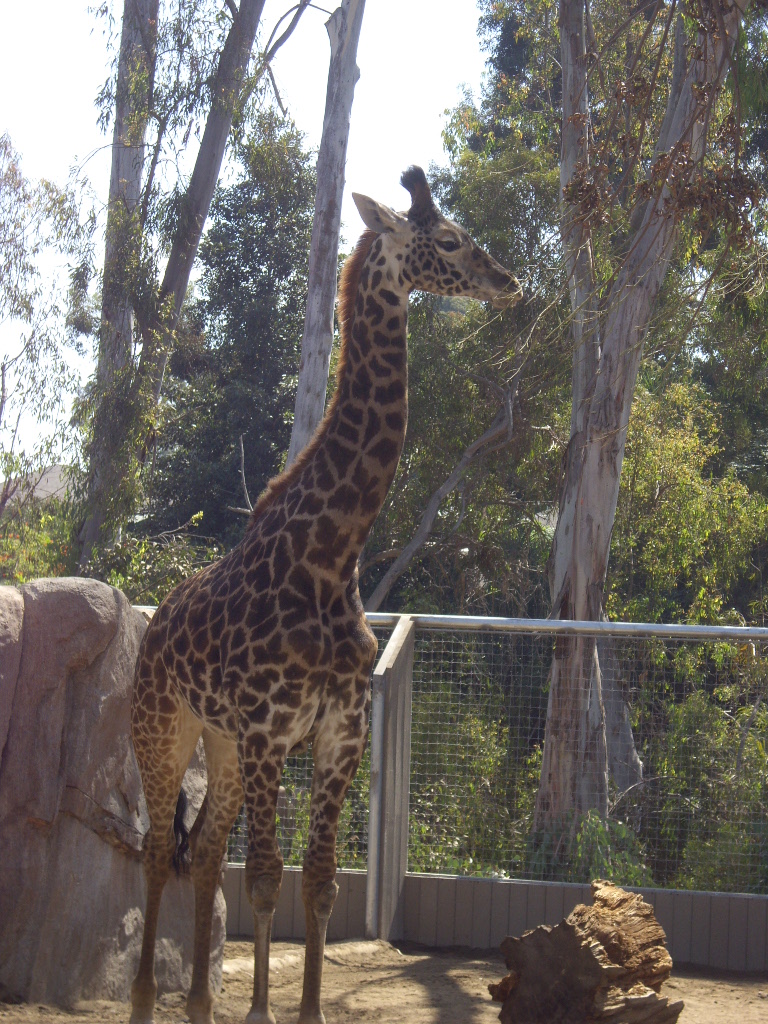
(503, 280)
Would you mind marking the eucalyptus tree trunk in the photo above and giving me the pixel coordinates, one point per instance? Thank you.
(119, 423)
(624, 765)
(133, 97)
(225, 92)
(344, 32)
(607, 353)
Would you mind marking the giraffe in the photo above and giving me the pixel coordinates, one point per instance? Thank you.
(268, 649)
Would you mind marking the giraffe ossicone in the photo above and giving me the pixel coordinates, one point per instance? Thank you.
(268, 649)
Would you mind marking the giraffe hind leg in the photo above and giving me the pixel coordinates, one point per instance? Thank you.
(335, 765)
(208, 840)
(164, 741)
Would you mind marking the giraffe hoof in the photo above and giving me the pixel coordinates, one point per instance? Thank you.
(200, 1012)
(200, 1017)
(143, 1014)
(260, 1017)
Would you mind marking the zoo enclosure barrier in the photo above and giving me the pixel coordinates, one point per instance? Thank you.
(438, 832)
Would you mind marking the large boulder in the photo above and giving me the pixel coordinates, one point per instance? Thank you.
(72, 813)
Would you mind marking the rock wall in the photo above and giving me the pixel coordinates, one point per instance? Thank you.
(72, 814)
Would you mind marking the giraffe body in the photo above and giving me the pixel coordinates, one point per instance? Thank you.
(268, 649)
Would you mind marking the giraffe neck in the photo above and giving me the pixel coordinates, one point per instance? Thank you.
(329, 499)
(367, 420)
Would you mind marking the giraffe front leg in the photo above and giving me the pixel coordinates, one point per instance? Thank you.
(261, 764)
(319, 898)
(264, 893)
(337, 752)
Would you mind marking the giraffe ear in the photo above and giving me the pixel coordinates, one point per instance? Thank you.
(377, 216)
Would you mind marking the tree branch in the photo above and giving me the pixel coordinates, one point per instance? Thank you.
(736, 89)
(249, 506)
(162, 124)
(344, 32)
(380, 556)
(226, 90)
(496, 436)
(3, 393)
(676, 88)
(276, 91)
(577, 244)
(271, 51)
(593, 50)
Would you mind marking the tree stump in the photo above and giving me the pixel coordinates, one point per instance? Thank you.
(604, 963)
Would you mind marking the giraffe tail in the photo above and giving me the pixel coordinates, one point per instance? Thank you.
(181, 855)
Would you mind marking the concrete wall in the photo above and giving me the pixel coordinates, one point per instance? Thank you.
(347, 920)
(716, 930)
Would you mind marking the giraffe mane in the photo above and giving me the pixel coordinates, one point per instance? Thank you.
(348, 284)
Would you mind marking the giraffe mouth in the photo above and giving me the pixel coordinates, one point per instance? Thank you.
(507, 299)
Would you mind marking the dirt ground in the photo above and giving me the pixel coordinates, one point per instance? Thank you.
(377, 982)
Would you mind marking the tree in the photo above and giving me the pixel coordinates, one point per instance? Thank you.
(610, 317)
(134, 87)
(344, 32)
(206, 52)
(232, 373)
(37, 220)
(685, 537)
(133, 99)
(657, 175)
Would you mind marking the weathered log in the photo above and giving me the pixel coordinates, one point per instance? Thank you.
(605, 963)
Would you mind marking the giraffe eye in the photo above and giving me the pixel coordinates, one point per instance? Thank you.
(448, 244)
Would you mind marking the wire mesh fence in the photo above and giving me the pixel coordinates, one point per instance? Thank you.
(687, 751)
(694, 815)
(293, 809)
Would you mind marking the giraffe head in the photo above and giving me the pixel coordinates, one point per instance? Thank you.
(434, 254)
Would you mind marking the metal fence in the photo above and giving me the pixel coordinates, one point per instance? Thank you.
(691, 705)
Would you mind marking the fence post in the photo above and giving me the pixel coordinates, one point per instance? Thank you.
(391, 688)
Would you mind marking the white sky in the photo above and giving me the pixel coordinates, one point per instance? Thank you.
(415, 56)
